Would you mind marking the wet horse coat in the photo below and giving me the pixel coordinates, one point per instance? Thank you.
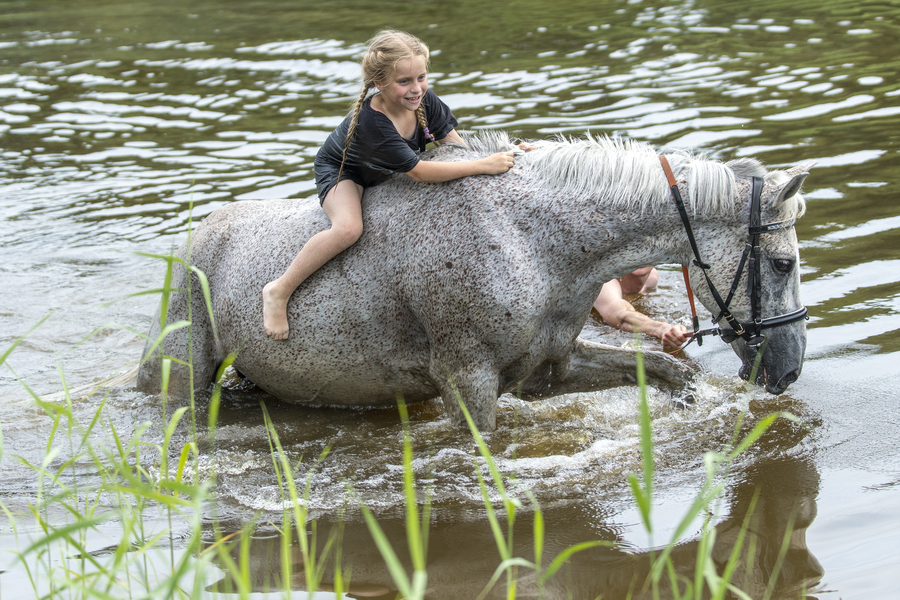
(473, 287)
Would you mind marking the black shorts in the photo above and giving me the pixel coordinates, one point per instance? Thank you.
(327, 177)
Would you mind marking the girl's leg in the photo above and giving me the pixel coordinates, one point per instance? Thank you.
(343, 207)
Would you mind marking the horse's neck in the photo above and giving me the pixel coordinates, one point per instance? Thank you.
(642, 242)
(600, 242)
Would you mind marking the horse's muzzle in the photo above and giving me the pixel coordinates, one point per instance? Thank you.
(762, 378)
(782, 384)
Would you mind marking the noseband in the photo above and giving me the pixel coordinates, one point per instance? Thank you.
(750, 332)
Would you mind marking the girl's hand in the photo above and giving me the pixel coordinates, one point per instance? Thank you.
(495, 164)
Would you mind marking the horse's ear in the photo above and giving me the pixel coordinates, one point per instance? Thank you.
(798, 176)
(791, 188)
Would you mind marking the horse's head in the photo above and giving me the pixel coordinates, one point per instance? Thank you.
(762, 271)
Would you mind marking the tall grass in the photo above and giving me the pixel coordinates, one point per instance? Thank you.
(145, 503)
(709, 581)
(412, 588)
(124, 503)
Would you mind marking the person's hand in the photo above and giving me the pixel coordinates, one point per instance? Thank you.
(500, 162)
(526, 147)
(673, 336)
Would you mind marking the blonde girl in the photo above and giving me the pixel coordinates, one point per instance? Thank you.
(381, 136)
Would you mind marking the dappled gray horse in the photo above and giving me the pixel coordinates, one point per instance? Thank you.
(479, 286)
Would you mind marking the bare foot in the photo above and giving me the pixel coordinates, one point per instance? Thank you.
(274, 313)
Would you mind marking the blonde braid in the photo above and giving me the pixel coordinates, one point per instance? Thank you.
(423, 122)
(351, 130)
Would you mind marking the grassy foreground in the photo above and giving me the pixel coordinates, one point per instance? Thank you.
(117, 516)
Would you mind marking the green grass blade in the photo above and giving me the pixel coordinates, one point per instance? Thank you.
(499, 538)
(644, 497)
(502, 568)
(566, 554)
(782, 552)
(64, 532)
(413, 525)
(758, 430)
(215, 399)
(18, 341)
(641, 499)
(395, 567)
(483, 449)
(737, 548)
(207, 296)
(166, 331)
(538, 534)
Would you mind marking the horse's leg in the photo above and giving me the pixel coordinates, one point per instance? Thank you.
(194, 344)
(591, 366)
(477, 384)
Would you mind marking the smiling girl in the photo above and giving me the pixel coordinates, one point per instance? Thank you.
(381, 136)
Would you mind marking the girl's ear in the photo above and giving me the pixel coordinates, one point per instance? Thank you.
(378, 85)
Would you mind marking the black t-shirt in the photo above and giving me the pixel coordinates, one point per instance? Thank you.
(377, 150)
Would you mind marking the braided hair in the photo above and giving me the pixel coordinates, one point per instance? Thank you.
(383, 52)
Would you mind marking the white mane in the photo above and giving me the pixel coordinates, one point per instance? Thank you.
(628, 173)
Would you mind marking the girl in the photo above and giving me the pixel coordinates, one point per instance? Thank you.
(380, 137)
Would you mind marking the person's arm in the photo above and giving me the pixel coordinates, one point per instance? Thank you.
(429, 171)
(619, 313)
(438, 172)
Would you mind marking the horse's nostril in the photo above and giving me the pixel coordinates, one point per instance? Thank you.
(783, 383)
(789, 378)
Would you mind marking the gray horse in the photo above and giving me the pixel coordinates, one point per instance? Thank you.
(479, 286)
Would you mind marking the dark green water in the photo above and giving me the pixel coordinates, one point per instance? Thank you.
(120, 120)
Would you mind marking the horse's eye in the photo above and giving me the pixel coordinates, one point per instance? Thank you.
(783, 265)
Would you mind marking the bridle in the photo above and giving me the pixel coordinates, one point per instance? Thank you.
(750, 332)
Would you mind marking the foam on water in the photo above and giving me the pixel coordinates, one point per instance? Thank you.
(558, 449)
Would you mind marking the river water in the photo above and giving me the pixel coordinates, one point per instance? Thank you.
(122, 121)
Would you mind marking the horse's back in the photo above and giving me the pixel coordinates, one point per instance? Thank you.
(352, 341)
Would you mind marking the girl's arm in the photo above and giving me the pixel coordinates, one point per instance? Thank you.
(437, 172)
(427, 171)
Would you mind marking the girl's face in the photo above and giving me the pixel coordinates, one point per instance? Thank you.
(407, 85)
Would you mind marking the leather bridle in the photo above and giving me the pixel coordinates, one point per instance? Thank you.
(751, 332)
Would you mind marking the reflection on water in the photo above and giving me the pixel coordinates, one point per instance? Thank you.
(771, 506)
(123, 124)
